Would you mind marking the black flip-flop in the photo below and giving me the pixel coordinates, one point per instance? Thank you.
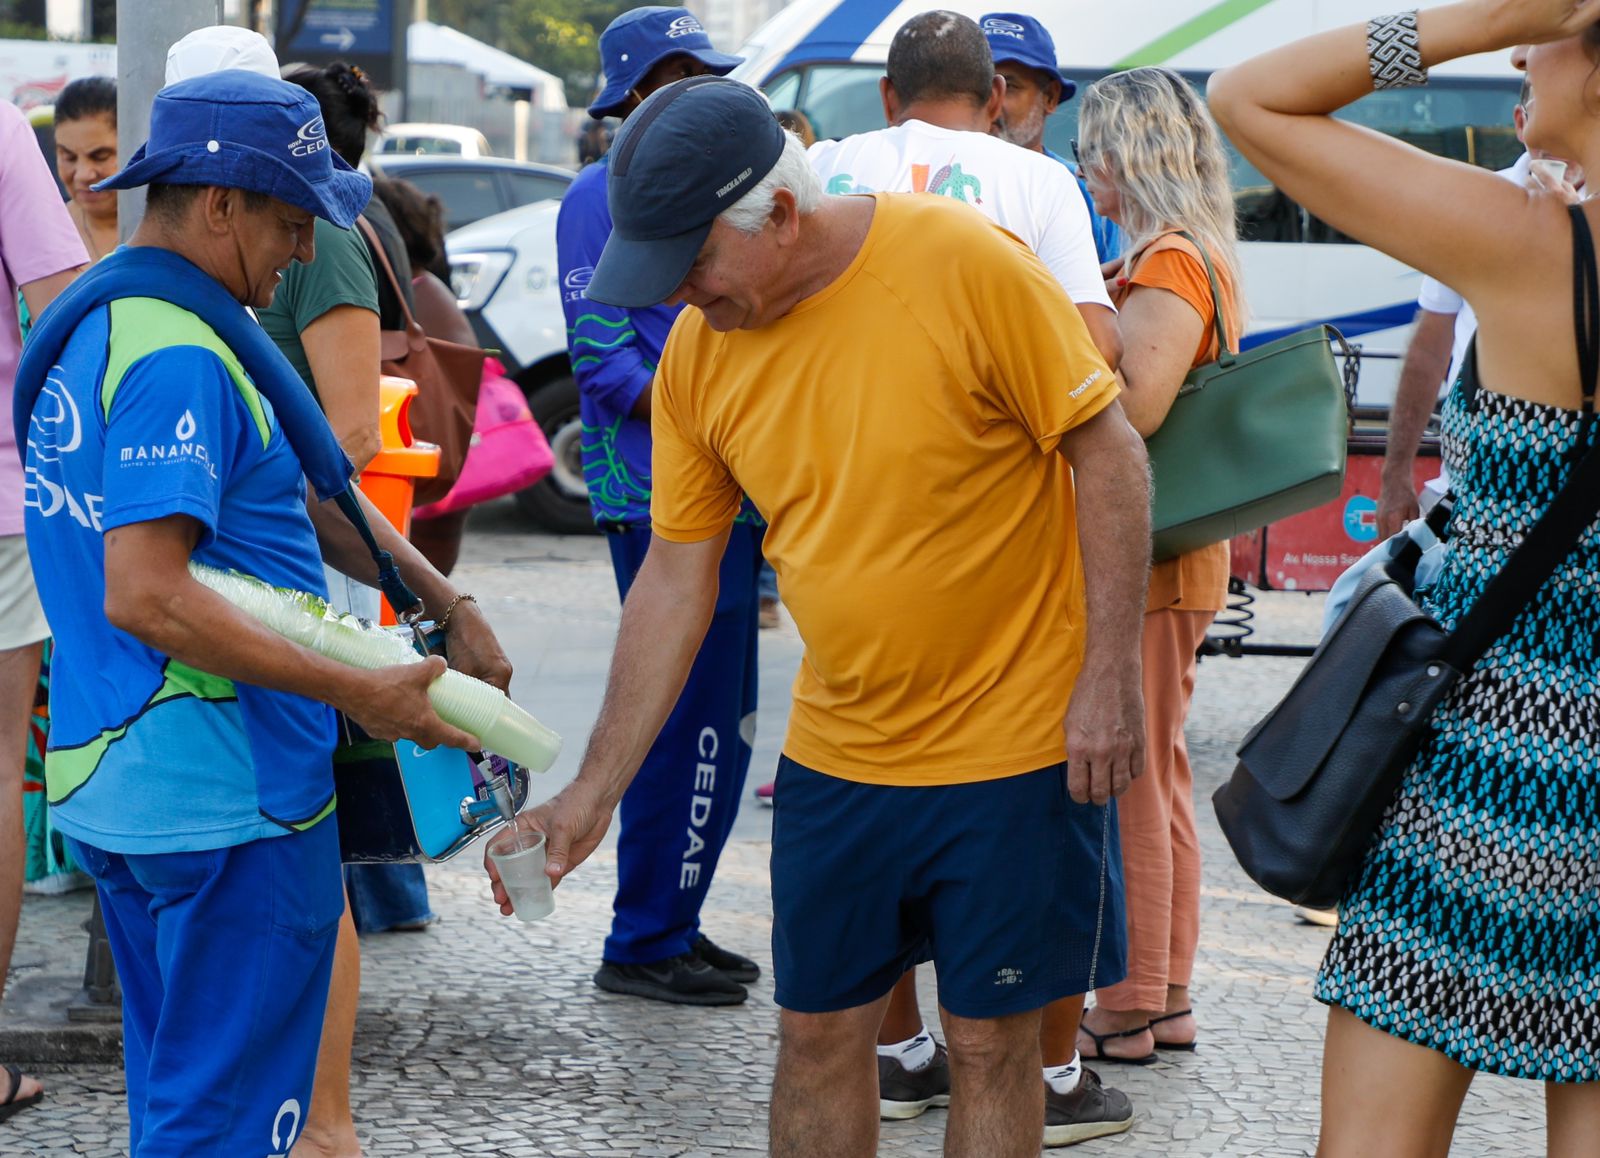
(13, 1104)
(1100, 1054)
(1183, 1046)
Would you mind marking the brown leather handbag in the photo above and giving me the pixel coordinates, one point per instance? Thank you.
(447, 375)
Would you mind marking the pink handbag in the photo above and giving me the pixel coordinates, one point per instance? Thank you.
(508, 451)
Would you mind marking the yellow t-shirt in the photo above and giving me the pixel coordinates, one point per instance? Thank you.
(898, 431)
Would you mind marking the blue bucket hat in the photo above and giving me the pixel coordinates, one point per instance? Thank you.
(691, 150)
(241, 130)
(1013, 36)
(638, 40)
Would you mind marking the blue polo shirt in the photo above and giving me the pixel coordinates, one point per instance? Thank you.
(148, 415)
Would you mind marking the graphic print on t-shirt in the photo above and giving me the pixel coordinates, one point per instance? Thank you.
(945, 180)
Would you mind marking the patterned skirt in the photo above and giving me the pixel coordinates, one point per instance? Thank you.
(1473, 926)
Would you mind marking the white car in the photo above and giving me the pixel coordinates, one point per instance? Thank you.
(503, 269)
(433, 139)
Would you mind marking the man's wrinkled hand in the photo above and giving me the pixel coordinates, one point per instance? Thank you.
(574, 823)
(1105, 735)
(473, 648)
(392, 704)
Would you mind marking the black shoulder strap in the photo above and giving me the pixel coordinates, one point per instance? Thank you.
(407, 607)
(1552, 538)
(1585, 304)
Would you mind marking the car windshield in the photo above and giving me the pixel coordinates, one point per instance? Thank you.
(426, 146)
(1463, 119)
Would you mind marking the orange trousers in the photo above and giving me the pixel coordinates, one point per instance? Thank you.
(1160, 850)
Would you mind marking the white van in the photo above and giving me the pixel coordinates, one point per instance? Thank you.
(824, 57)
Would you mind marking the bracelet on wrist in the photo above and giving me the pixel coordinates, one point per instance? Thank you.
(450, 609)
(1394, 52)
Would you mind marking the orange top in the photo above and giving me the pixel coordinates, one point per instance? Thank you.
(1198, 580)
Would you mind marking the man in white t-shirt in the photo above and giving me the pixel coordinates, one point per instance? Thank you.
(940, 96)
(1445, 326)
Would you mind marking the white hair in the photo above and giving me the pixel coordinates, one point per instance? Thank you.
(792, 172)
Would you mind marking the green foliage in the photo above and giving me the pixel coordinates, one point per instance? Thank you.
(559, 36)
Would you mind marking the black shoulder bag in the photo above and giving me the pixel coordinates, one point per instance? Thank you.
(1315, 775)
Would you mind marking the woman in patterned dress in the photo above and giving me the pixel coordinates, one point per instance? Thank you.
(1470, 938)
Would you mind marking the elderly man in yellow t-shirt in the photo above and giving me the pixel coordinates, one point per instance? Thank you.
(918, 411)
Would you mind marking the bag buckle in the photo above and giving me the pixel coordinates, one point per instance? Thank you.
(411, 617)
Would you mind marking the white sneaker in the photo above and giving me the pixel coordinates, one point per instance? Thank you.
(56, 884)
(1327, 918)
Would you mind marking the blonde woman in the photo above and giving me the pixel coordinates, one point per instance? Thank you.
(1155, 165)
(1469, 940)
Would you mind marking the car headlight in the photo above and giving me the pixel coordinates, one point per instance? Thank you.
(475, 276)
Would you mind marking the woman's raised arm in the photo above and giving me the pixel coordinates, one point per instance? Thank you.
(1410, 204)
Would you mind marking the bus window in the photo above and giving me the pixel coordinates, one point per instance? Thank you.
(842, 99)
(1464, 119)
(784, 92)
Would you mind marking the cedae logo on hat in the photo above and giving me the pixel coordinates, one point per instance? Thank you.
(309, 138)
(994, 26)
(684, 26)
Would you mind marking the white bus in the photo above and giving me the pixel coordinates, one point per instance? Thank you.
(824, 57)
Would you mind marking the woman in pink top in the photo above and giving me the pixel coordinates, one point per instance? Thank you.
(40, 252)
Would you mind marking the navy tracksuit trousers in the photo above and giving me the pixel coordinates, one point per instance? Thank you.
(677, 814)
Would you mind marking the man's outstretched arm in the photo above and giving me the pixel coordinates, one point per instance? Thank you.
(1427, 362)
(664, 621)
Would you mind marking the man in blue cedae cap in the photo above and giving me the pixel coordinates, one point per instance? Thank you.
(190, 763)
(679, 811)
(1025, 56)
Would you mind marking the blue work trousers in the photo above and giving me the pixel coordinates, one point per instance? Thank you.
(224, 957)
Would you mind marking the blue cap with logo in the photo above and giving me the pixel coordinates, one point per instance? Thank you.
(642, 38)
(241, 130)
(693, 149)
(1013, 36)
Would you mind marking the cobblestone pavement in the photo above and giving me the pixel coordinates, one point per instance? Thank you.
(482, 1036)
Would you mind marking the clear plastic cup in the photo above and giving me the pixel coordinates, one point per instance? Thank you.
(518, 857)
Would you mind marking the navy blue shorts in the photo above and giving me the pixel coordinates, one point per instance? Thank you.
(1011, 889)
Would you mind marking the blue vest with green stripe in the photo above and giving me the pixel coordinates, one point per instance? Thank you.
(148, 414)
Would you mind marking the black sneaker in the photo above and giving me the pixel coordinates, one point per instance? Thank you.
(1090, 1111)
(735, 965)
(904, 1093)
(681, 980)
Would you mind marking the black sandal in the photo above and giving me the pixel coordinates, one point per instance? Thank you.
(13, 1104)
(1100, 1039)
(1185, 1046)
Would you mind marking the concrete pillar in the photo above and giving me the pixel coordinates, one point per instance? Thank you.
(144, 33)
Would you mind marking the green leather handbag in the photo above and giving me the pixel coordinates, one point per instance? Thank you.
(1251, 438)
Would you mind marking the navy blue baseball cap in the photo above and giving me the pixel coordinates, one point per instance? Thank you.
(242, 130)
(642, 38)
(1013, 36)
(690, 151)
